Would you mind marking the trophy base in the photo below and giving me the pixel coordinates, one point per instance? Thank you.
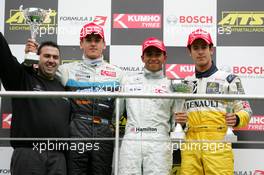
(31, 58)
(230, 138)
(177, 135)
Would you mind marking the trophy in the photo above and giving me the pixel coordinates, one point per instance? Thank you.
(230, 136)
(229, 105)
(34, 18)
(179, 86)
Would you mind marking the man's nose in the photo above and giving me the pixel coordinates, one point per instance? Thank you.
(93, 42)
(200, 50)
(51, 59)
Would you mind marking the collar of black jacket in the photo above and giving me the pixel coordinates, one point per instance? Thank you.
(206, 73)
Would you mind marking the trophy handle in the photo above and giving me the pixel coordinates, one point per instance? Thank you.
(47, 15)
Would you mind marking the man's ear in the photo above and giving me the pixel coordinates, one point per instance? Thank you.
(81, 44)
(142, 58)
(165, 58)
(104, 45)
(189, 51)
(212, 50)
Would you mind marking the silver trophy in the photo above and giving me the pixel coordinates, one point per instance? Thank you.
(34, 18)
(230, 136)
(229, 106)
(180, 86)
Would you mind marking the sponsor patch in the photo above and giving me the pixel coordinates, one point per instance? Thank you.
(108, 73)
(212, 88)
(246, 104)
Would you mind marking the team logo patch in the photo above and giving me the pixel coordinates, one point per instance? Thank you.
(160, 90)
(212, 88)
(108, 73)
(246, 105)
(134, 88)
(37, 88)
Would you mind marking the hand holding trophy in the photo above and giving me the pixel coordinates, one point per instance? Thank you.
(230, 136)
(34, 18)
(229, 106)
(179, 86)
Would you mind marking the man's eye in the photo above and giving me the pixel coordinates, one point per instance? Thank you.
(47, 56)
(153, 54)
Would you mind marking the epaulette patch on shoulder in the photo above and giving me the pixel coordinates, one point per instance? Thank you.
(230, 78)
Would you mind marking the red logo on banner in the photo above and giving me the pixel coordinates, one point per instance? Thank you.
(196, 19)
(137, 21)
(108, 73)
(6, 121)
(100, 20)
(257, 70)
(256, 124)
(258, 172)
(179, 70)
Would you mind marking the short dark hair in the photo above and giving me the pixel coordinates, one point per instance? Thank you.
(47, 43)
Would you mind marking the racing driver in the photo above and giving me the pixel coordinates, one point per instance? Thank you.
(209, 119)
(92, 117)
(146, 148)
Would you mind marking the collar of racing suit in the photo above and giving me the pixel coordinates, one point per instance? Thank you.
(153, 75)
(93, 62)
(207, 73)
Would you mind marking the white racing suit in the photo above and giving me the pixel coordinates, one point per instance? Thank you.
(206, 121)
(146, 148)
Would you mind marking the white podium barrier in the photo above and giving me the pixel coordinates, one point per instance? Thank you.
(5, 159)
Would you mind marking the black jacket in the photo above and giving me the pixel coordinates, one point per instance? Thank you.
(32, 117)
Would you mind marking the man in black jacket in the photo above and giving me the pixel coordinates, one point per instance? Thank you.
(35, 117)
